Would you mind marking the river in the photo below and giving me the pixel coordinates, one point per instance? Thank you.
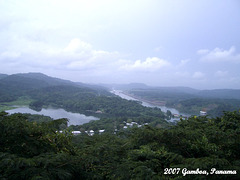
(77, 118)
(163, 108)
(74, 118)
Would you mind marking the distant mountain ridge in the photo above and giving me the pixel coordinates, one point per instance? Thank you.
(47, 79)
(180, 90)
(3, 76)
(41, 80)
(28, 81)
(15, 85)
(45, 90)
(221, 93)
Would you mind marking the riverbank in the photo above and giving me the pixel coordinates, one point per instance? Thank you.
(21, 101)
(4, 107)
(155, 103)
(149, 103)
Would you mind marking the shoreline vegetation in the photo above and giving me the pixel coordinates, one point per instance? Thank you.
(157, 103)
(38, 90)
(187, 103)
(21, 101)
(32, 147)
(132, 141)
(151, 102)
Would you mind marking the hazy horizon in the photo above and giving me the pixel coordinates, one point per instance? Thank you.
(130, 83)
(156, 42)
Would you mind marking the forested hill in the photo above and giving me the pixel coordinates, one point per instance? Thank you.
(38, 150)
(3, 76)
(191, 101)
(38, 80)
(41, 91)
(185, 92)
(13, 86)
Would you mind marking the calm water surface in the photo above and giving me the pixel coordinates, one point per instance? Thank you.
(163, 108)
(74, 118)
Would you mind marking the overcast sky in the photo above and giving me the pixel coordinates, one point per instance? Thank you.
(157, 42)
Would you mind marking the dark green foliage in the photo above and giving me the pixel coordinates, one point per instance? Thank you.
(102, 154)
(28, 139)
(14, 86)
(36, 105)
(44, 91)
(44, 166)
(38, 118)
(86, 101)
(214, 107)
(31, 150)
(110, 124)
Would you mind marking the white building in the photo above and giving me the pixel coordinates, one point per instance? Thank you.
(76, 132)
(101, 131)
(203, 113)
(91, 133)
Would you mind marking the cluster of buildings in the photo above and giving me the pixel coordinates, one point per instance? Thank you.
(90, 133)
(131, 124)
(126, 125)
(201, 113)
